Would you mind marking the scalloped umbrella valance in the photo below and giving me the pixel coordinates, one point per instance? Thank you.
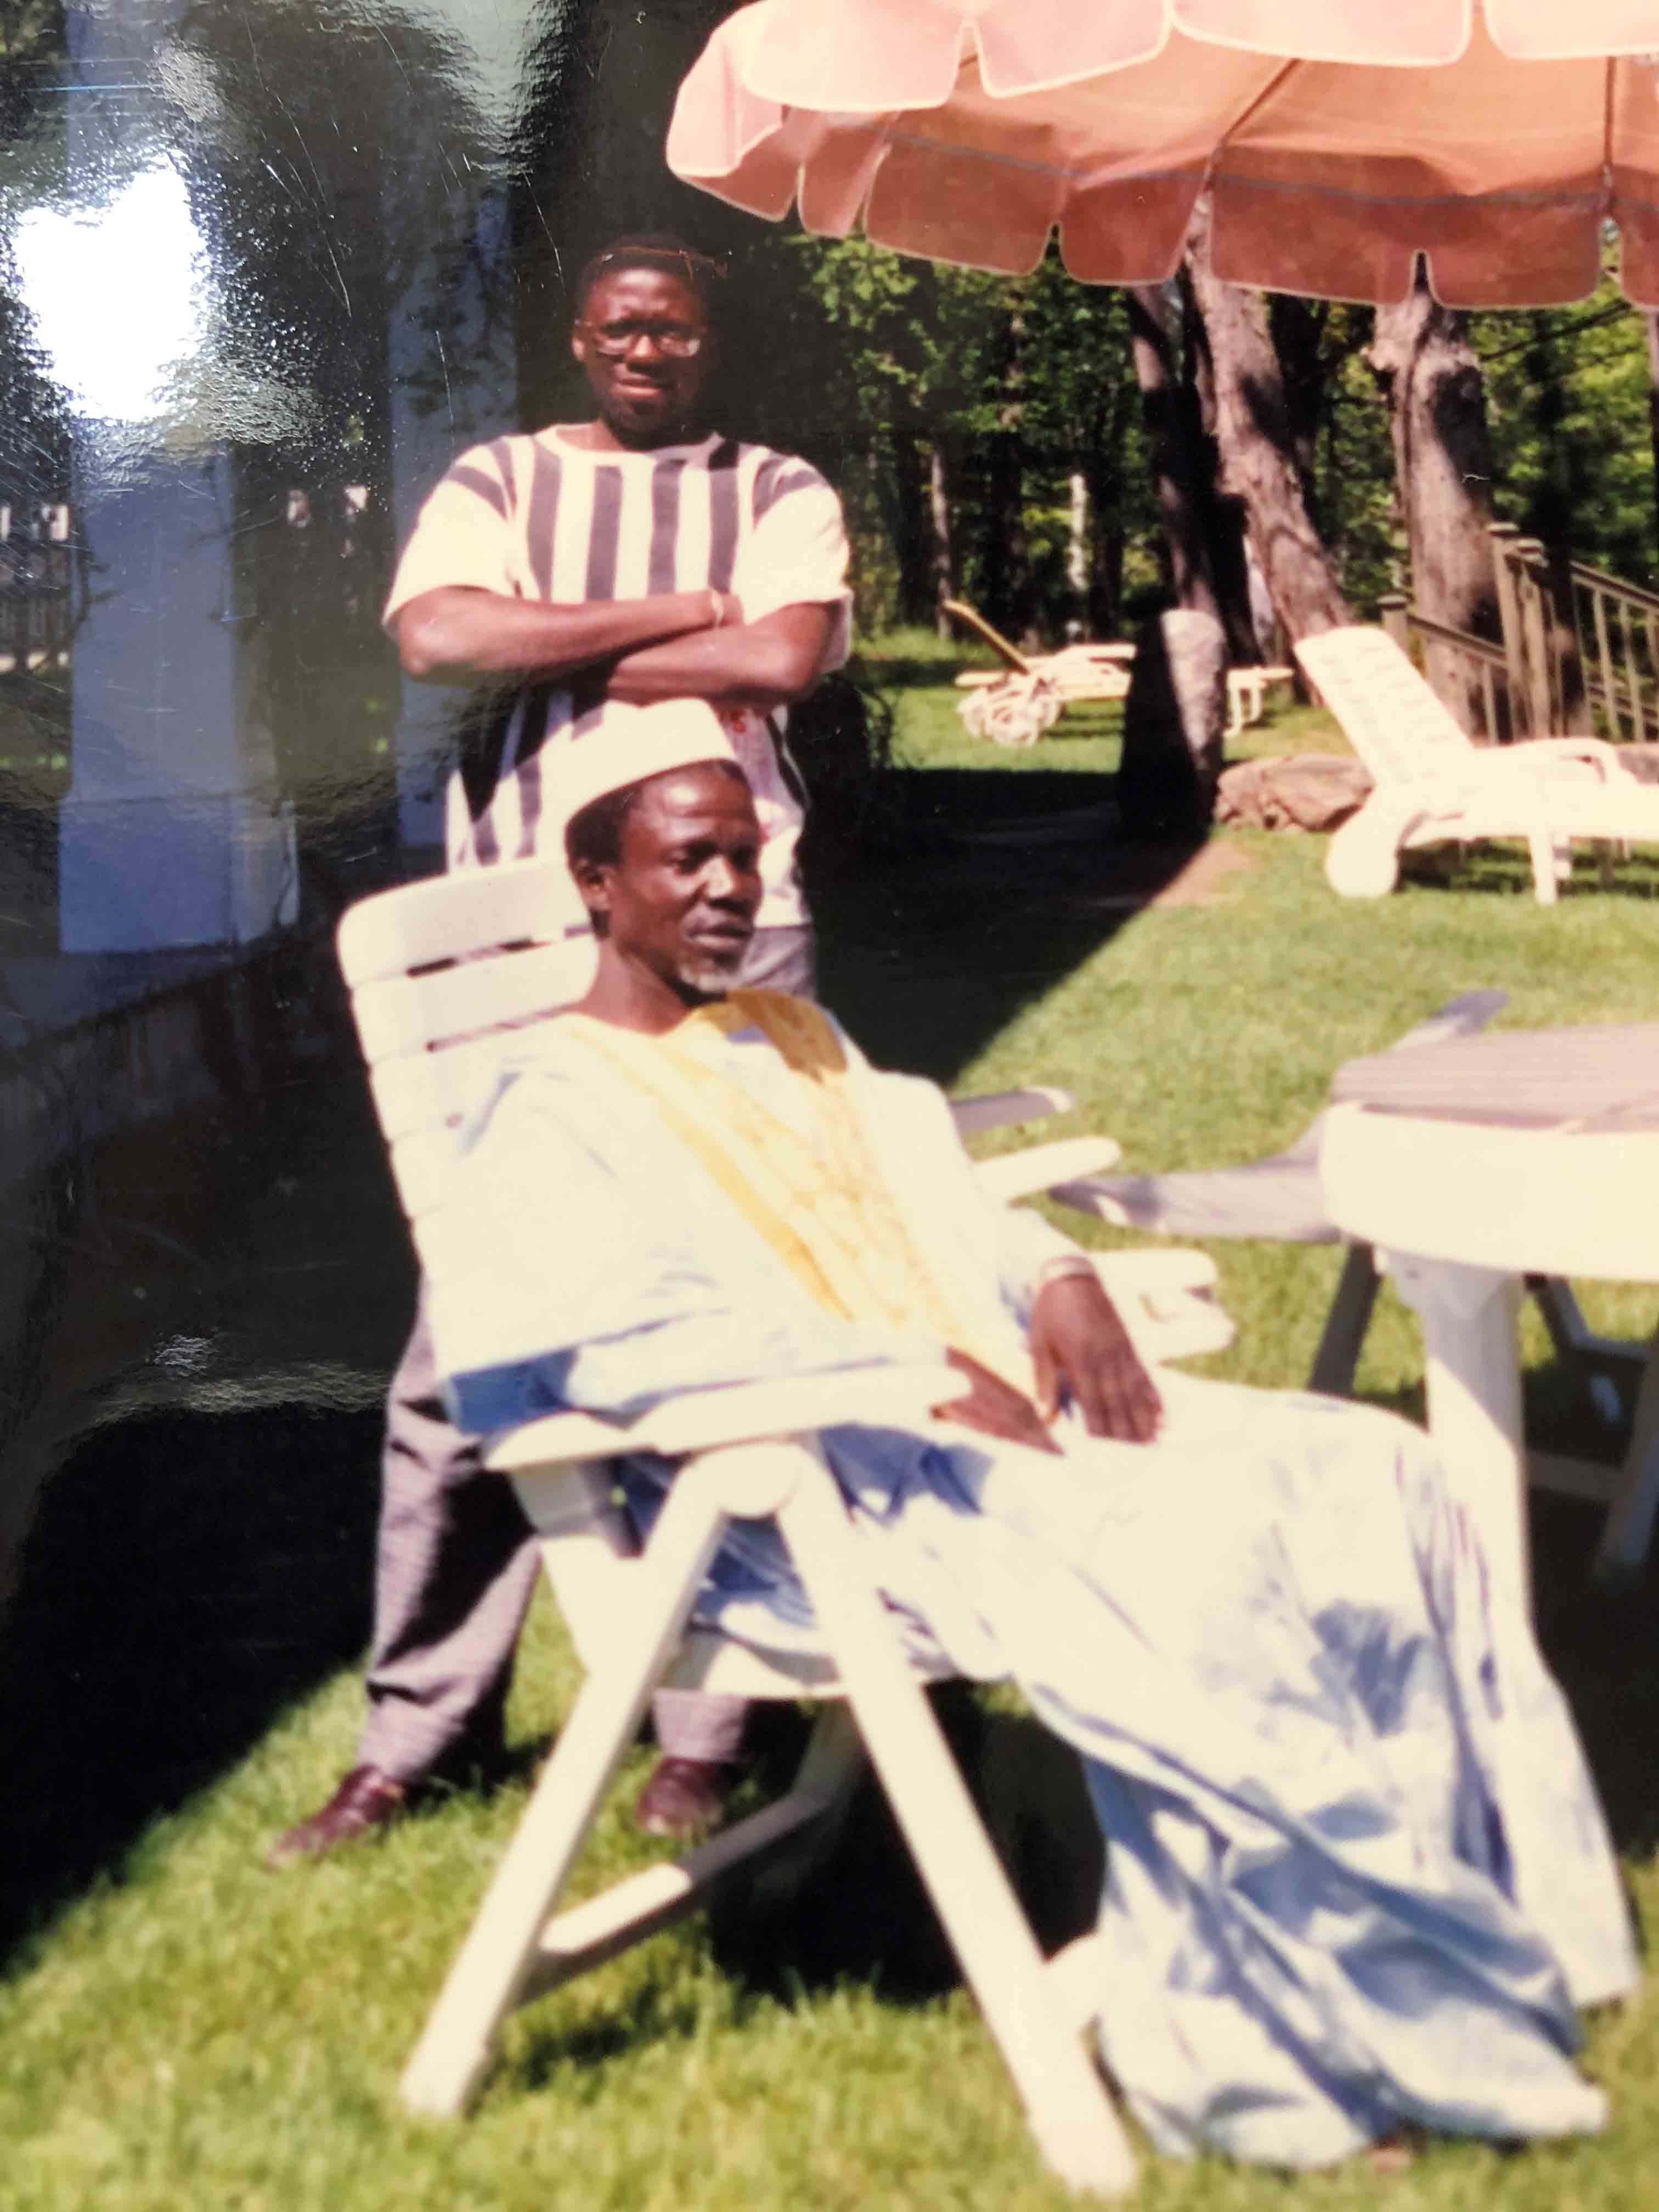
(1338, 138)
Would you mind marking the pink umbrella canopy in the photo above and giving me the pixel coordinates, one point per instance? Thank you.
(1338, 138)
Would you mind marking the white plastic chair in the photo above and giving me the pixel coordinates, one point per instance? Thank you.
(430, 967)
(1281, 1200)
(1434, 787)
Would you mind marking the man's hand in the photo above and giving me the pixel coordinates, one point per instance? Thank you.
(762, 664)
(996, 1407)
(458, 634)
(1078, 1344)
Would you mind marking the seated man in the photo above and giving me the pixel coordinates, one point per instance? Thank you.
(1357, 1878)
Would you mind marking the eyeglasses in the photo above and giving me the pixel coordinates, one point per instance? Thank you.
(674, 340)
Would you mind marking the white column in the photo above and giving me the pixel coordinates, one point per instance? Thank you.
(170, 833)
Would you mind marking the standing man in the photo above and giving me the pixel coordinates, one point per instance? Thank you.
(635, 557)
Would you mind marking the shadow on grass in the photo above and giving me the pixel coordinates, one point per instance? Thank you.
(187, 1577)
(1505, 871)
(1600, 1639)
(865, 1916)
(987, 889)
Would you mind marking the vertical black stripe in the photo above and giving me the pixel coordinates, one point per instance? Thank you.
(543, 510)
(586, 703)
(785, 479)
(500, 452)
(777, 724)
(723, 514)
(602, 534)
(487, 489)
(484, 748)
(663, 572)
(486, 845)
(766, 475)
(533, 736)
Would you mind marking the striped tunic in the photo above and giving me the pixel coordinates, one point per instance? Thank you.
(542, 518)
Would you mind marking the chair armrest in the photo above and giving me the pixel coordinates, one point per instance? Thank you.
(1166, 1301)
(996, 1109)
(1538, 756)
(1039, 1167)
(883, 1397)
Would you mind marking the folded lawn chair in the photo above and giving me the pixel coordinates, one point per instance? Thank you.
(432, 966)
(1034, 691)
(1434, 787)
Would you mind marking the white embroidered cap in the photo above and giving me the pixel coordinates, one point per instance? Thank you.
(632, 742)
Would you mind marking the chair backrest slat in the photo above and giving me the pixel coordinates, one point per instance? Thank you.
(403, 1013)
(1389, 714)
(448, 917)
(443, 974)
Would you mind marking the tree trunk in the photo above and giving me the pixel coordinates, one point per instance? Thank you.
(1430, 377)
(1258, 447)
(1183, 459)
(1297, 329)
(939, 507)
(904, 495)
(1012, 595)
(1104, 614)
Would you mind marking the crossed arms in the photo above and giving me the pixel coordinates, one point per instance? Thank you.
(670, 645)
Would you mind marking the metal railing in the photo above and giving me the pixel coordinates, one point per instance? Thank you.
(37, 589)
(1618, 630)
(1554, 670)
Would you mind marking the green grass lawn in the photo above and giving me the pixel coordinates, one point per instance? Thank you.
(187, 2032)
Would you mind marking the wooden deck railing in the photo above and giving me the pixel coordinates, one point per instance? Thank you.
(1593, 665)
(1617, 628)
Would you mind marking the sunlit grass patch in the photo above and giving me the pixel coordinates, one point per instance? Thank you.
(191, 2034)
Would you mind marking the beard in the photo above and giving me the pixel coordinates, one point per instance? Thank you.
(710, 972)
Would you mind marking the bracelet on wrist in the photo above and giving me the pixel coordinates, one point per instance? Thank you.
(1062, 1265)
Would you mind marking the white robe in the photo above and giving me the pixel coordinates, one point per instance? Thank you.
(1356, 1875)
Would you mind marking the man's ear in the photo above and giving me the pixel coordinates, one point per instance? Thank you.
(578, 343)
(592, 880)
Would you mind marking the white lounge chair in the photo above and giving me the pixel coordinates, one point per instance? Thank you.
(749, 1452)
(1028, 697)
(1434, 787)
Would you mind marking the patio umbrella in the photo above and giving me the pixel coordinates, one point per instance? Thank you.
(1337, 138)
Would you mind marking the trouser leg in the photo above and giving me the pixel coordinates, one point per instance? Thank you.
(455, 1566)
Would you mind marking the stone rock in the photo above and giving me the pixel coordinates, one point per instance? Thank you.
(1299, 791)
(1174, 724)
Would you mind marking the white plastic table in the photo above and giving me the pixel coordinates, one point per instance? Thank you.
(1471, 1165)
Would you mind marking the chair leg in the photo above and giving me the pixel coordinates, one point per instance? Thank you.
(499, 1950)
(1628, 1529)
(1541, 848)
(1066, 2101)
(1345, 1324)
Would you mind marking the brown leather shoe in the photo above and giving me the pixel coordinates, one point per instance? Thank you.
(684, 1797)
(366, 1804)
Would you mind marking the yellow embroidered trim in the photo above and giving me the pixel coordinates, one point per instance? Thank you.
(822, 1204)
